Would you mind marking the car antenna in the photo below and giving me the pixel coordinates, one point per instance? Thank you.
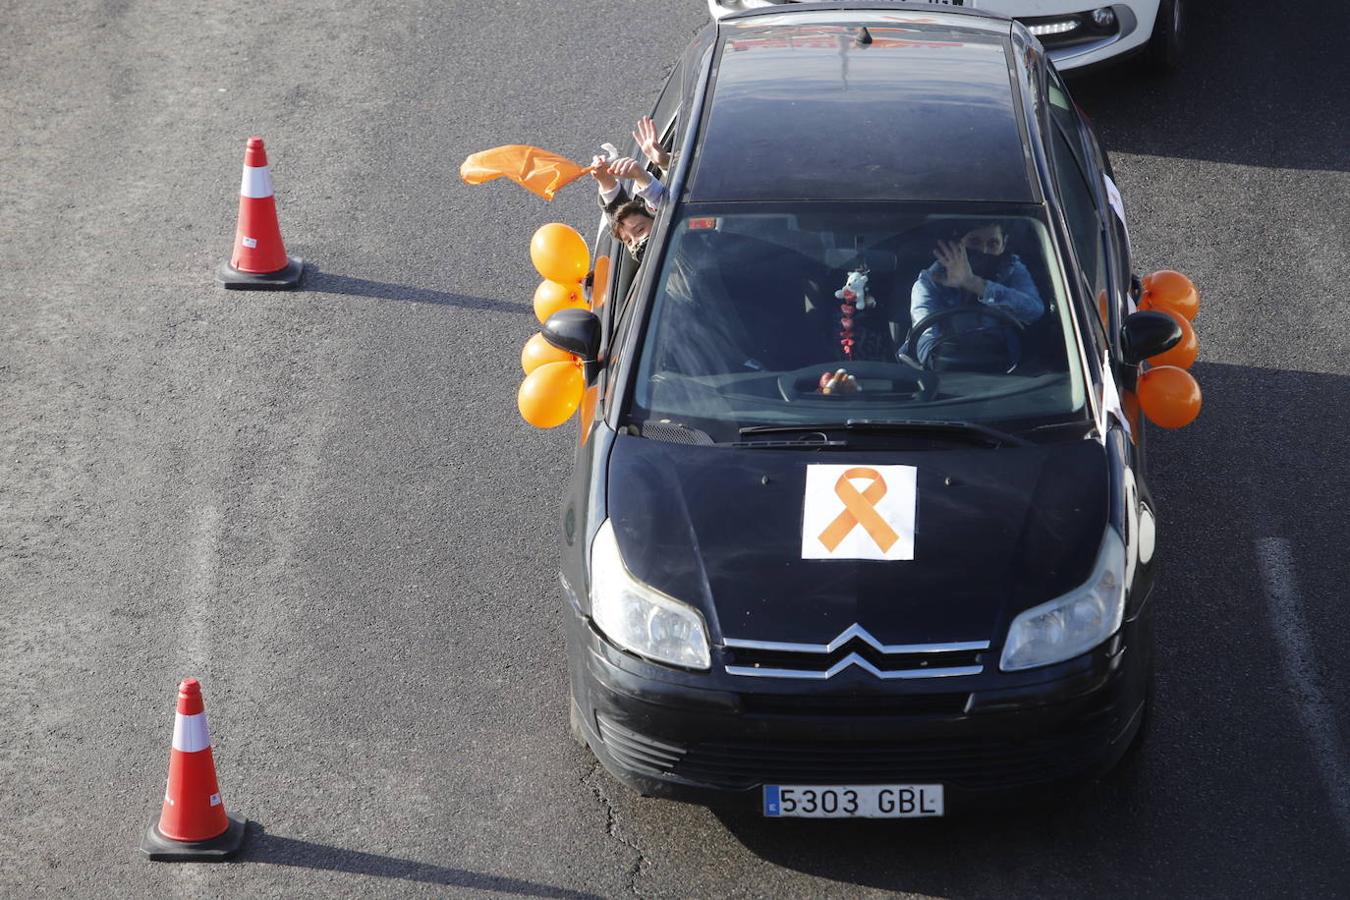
(864, 36)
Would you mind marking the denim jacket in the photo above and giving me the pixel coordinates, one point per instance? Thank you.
(1011, 289)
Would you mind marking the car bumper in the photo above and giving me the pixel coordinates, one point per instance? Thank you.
(1083, 48)
(718, 745)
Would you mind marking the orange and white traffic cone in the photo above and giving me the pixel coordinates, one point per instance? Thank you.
(192, 825)
(259, 261)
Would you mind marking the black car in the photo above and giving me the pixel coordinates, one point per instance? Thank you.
(820, 557)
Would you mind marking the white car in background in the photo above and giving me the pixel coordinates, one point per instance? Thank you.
(1076, 33)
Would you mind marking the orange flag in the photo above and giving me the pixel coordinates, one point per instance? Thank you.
(536, 170)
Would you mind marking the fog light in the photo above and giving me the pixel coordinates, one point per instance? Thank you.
(1104, 17)
(1063, 26)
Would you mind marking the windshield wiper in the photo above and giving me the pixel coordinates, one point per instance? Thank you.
(822, 440)
(679, 433)
(972, 431)
(1067, 430)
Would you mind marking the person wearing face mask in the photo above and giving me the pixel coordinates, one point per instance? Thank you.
(630, 217)
(631, 214)
(631, 223)
(975, 269)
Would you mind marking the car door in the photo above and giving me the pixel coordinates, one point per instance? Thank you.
(1112, 276)
(1096, 225)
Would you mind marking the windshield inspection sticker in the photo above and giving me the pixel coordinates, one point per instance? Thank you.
(859, 512)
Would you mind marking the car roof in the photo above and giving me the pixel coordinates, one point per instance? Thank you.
(847, 104)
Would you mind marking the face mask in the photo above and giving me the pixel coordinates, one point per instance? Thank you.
(983, 265)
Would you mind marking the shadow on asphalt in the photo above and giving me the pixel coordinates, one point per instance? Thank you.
(262, 847)
(1259, 86)
(1225, 797)
(974, 854)
(328, 283)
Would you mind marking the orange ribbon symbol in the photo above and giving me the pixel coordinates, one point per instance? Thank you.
(860, 509)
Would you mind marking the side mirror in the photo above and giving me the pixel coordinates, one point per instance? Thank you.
(1145, 334)
(575, 330)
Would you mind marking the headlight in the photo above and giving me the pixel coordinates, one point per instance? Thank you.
(640, 618)
(1074, 623)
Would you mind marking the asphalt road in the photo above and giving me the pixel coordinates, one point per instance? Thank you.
(325, 506)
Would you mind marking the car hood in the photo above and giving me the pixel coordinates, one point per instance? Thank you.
(997, 531)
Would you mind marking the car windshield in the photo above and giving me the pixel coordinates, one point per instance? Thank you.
(769, 317)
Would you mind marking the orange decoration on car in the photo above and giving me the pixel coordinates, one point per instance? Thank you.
(1170, 291)
(550, 394)
(600, 282)
(1169, 396)
(1183, 354)
(552, 296)
(860, 509)
(559, 253)
(539, 352)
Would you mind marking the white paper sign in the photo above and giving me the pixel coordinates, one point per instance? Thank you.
(859, 512)
(1111, 399)
(1117, 202)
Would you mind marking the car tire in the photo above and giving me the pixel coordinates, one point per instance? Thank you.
(1163, 53)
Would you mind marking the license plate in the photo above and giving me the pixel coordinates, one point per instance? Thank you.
(850, 801)
(970, 3)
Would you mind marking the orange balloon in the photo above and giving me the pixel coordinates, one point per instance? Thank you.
(550, 394)
(589, 399)
(1169, 396)
(539, 352)
(600, 283)
(1186, 350)
(552, 296)
(1170, 291)
(559, 253)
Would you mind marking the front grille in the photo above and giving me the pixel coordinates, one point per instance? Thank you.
(974, 762)
(887, 662)
(637, 751)
(977, 762)
(856, 704)
(854, 648)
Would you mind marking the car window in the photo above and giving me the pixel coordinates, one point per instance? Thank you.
(624, 266)
(622, 323)
(667, 111)
(751, 304)
(1121, 267)
(667, 107)
(1100, 318)
(668, 143)
(1062, 106)
(1085, 226)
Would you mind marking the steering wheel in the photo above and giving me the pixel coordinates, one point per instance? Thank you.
(1013, 349)
(908, 380)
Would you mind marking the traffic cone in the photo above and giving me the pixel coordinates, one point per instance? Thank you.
(259, 262)
(192, 825)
